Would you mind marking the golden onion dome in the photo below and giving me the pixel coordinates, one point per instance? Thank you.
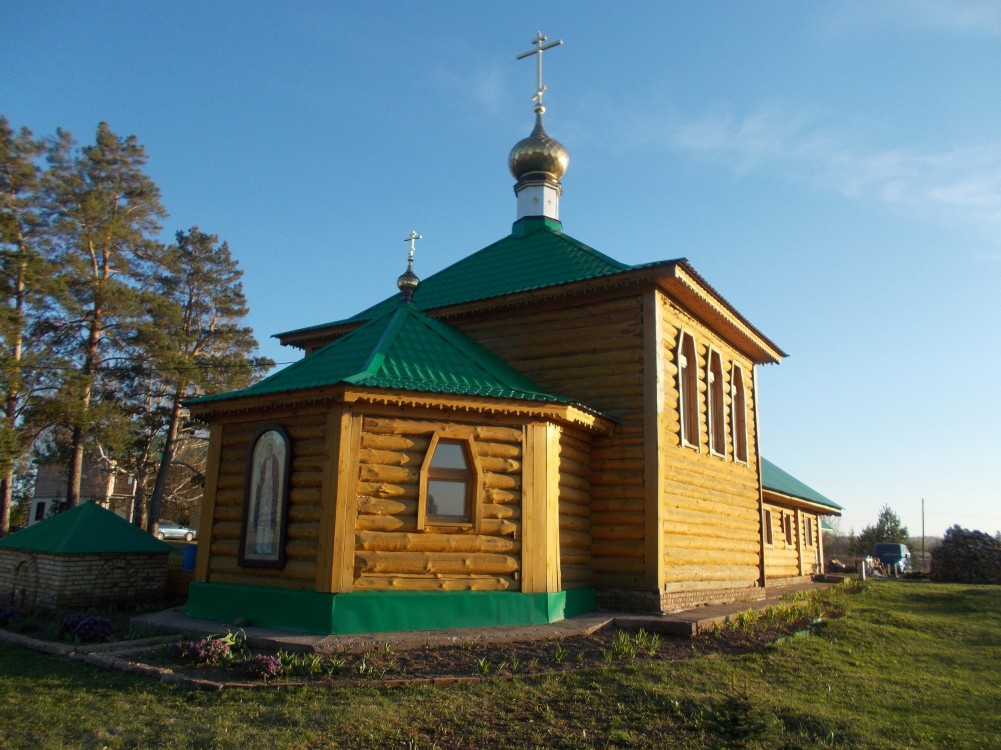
(538, 153)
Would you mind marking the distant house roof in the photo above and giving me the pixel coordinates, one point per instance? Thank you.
(774, 479)
(537, 255)
(86, 529)
(402, 349)
(95, 480)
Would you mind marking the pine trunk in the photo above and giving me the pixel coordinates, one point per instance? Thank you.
(169, 448)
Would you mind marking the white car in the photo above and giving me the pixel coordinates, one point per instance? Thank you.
(174, 530)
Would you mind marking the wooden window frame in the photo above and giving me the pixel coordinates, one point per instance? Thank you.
(473, 478)
(738, 414)
(769, 530)
(808, 531)
(688, 392)
(246, 558)
(787, 529)
(715, 403)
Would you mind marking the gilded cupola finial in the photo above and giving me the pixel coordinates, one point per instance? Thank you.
(538, 162)
(408, 281)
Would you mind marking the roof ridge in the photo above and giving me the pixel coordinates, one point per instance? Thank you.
(598, 265)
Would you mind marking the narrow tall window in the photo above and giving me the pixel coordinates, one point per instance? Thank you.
(448, 484)
(688, 390)
(788, 528)
(768, 528)
(717, 428)
(808, 531)
(265, 499)
(738, 420)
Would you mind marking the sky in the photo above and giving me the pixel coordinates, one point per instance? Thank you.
(833, 169)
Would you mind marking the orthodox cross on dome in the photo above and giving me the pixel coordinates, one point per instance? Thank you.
(408, 282)
(540, 47)
(412, 238)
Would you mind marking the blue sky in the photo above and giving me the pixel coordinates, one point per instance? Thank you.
(834, 169)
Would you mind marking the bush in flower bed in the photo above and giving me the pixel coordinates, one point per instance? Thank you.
(85, 628)
(213, 650)
(264, 667)
(205, 651)
(7, 614)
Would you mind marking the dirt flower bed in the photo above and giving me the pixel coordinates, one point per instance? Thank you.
(225, 658)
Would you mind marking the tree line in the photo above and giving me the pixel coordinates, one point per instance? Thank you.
(105, 330)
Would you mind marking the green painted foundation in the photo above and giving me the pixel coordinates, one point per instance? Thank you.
(382, 611)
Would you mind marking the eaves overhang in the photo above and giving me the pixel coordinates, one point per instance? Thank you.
(688, 287)
(792, 501)
(572, 414)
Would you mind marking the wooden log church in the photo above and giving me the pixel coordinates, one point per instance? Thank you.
(531, 433)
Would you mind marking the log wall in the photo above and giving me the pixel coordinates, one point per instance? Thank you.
(711, 526)
(592, 351)
(575, 511)
(785, 560)
(307, 433)
(390, 554)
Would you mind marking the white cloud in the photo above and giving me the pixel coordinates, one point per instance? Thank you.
(960, 184)
(967, 17)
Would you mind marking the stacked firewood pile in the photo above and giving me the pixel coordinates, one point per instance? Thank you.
(966, 557)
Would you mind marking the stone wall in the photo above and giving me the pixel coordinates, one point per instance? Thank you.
(41, 580)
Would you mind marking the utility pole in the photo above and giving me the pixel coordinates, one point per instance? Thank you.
(924, 563)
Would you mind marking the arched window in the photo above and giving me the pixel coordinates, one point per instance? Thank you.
(448, 484)
(265, 499)
(717, 427)
(738, 419)
(688, 390)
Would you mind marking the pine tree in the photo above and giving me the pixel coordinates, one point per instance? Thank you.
(196, 339)
(104, 210)
(25, 276)
(887, 529)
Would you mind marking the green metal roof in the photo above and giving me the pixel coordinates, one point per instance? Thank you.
(537, 254)
(775, 479)
(86, 529)
(402, 349)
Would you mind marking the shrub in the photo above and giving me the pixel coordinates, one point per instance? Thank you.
(264, 667)
(7, 614)
(205, 651)
(85, 628)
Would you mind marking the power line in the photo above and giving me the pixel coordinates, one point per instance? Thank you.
(121, 368)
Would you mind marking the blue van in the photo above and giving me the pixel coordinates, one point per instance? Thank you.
(894, 556)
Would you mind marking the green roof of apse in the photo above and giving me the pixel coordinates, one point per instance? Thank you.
(775, 479)
(402, 349)
(537, 254)
(86, 529)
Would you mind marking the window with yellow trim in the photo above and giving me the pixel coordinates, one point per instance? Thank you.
(769, 539)
(738, 421)
(717, 430)
(688, 390)
(448, 484)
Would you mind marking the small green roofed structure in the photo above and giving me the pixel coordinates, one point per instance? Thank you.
(86, 556)
(776, 480)
(85, 529)
(792, 516)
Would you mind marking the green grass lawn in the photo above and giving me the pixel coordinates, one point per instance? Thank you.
(910, 664)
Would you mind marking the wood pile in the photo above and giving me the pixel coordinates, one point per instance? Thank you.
(967, 557)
